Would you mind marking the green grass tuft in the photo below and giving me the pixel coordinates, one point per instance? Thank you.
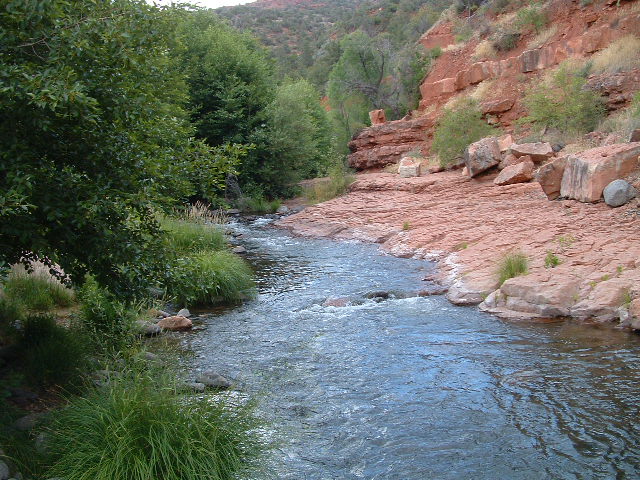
(139, 428)
(551, 260)
(186, 236)
(512, 265)
(38, 291)
(210, 278)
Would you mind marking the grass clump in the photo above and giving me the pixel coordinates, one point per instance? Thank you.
(210, 278)
(340, 177)
(406, 226)
(561, 102)
(620, 56)
(51, 354)
(107, 321)
(531, 18)
(458, 127)
(258, 204)
(512, 265)
(36, 291)
(551, 260)
(184, 236)
(139, 428)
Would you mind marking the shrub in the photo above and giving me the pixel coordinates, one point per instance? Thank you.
(512, 265)
(504, 40)
(542, 38)
(458, 127)
(258, 204)
(52, 354)
(105, 319)
(209, 278)
(551, 260)
(136, 428)
(531, 18)
(36, 291)
(340, 177)
(620, 56)
(484, 50)
(187, 236)
(560, 101)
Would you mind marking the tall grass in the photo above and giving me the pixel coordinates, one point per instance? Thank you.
(210, 278)
(622, 55)
(185, 236)
(258, 204)
(36, 291)
(51, 354)
(512, 265)
(139, 428)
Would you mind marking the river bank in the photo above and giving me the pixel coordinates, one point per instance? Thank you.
(468, 225)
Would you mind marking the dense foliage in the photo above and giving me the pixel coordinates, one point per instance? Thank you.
(92, 135)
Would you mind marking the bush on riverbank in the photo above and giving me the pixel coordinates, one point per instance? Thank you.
(183, 236)
(141, 428)
(340, 177)
(210, 278)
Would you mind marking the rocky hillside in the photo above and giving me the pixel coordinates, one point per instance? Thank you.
(541, 218)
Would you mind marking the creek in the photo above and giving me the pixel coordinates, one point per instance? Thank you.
(416, 388)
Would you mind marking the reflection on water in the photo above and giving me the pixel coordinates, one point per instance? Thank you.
(415, 388)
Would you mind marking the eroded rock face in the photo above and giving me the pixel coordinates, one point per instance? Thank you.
(175, 324)
(409, 167)
(549, 176)
(538, 152)
(482, 155)
(518, 173)
(588, 173)
(618, 192)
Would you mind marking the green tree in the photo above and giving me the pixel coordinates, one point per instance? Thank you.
(92, 136)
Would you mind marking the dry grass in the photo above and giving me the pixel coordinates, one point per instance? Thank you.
(621, 56)
(622, 122)
(542, 38)
(483, 89)
(454, 47)
(484, 51)
(201, 212)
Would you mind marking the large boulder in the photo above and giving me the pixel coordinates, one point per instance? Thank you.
(518, 173)
(549, 176)
(482, 155)
(588, 173)
(409, 167)
(175, 324)
(618, 192)
(539, 151)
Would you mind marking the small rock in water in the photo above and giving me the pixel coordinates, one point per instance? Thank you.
(337, 302)
(239, 249)
(283, 209)
(175, 324)
(233, 211)
(184, 312)
(380, 294)
(213, 380)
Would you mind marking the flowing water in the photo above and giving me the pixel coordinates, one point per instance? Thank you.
(416, 388)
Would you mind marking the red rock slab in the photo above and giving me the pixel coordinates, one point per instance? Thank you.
(175, 324)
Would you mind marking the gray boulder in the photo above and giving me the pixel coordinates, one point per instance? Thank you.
(618, 192)
(213, 380)
(147, 329)
(184, 312)
(239, 249)
(4, 471)
(482, 155)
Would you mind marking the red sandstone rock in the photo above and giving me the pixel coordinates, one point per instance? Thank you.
(587, 173)
(176, 323)
(549, 176)
(519, 173)
(409, 167)
(377, 117)
(505, 142)
(497, 106)
(634, 314)
(510, 159)
(538, 152)
(482, 155)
